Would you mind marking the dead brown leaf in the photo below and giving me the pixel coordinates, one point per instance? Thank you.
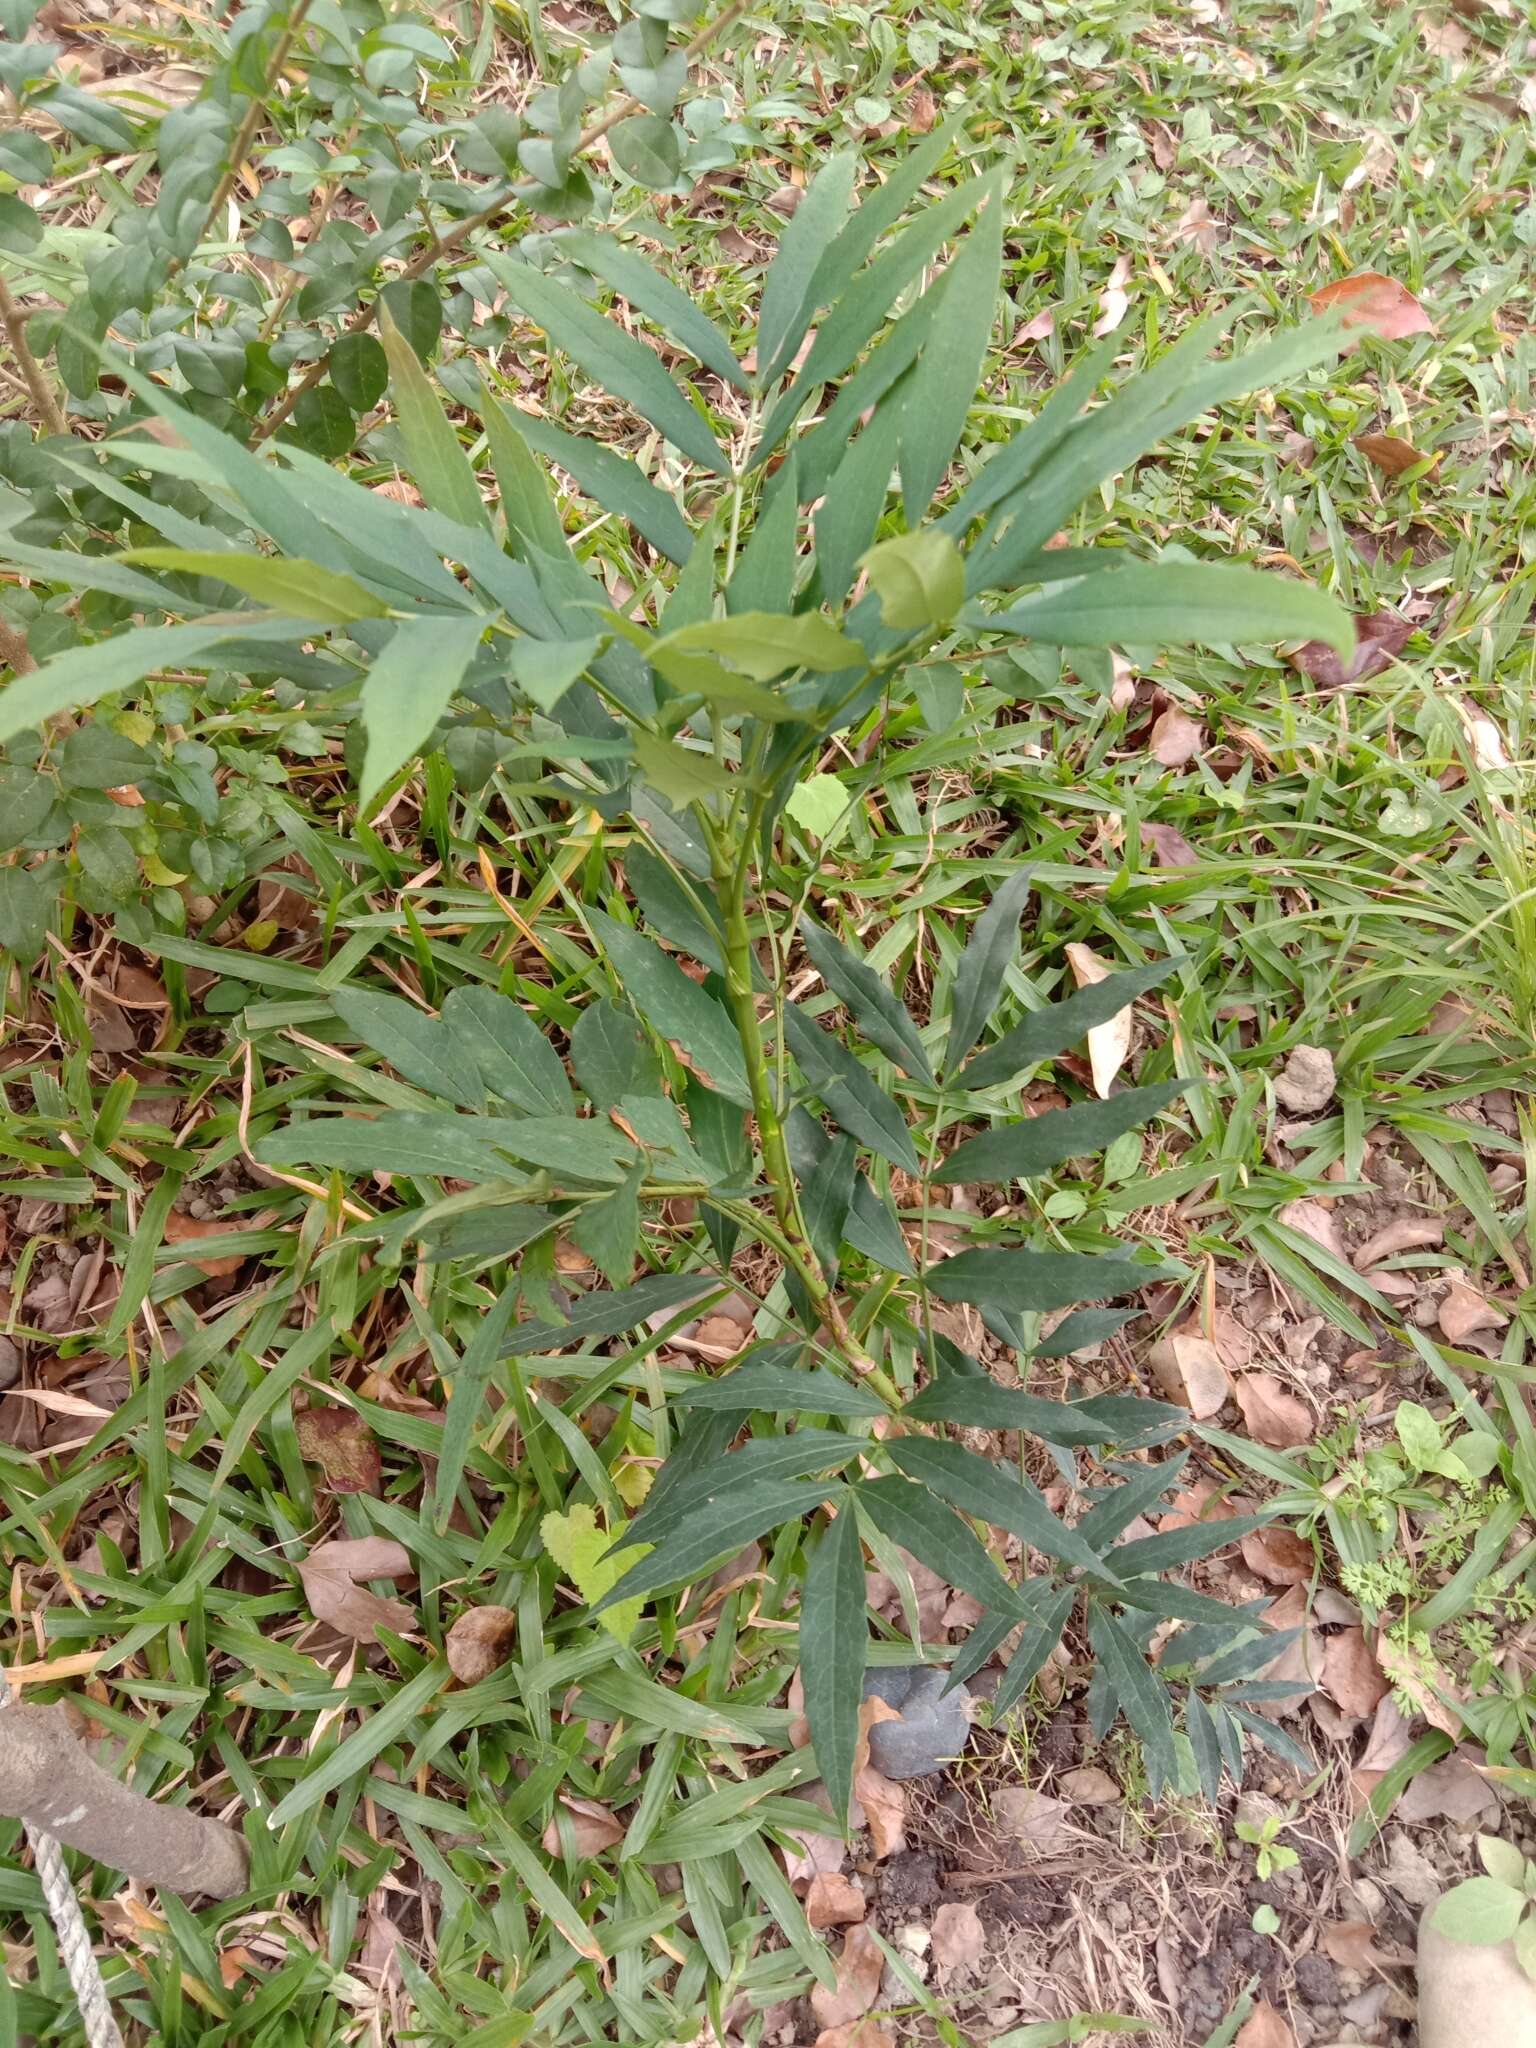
(1312, 1220)
(1188, 1368)
(1408, 1233)
(1198, 1502)
(183, 1229)
(1114, 300)
(1169, 845)
(1040, 328)
(1351, 1676)
(1278, 1556)
(1390, 1739)
(1464, 1311)
(1380, 303)
(858, 2034)
(1452, 1790)
(922, 111)
(1299, 1662)
(833, 1900)
(1195, 225)
(1388, 454)
(593, 1827)
(859, 1970)
(1032, 1817)
(1089, 1786)
(884, 1801)
(1176, 738)
(480, 1642)
(1110, 1042)
(1272, 1416)
(959, 1939)
(1265, 2028)
(1379, 638)
(331, 1575)
(343, 1446)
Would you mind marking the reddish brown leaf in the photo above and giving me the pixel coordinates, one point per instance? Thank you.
(1265, 2028)
(859, 1970)
(1278, 1556)
(1379, 638)
(1271, 1414)
(922, 111)
(1196, 1503)
(330, 1576)
(343, 1446)
(182, 1229)
(857, 2034)
(1388, 454)
(959, 1939)
(1464, 1311)
(1379, 303)
(833, 1900)
(480, 1642)
(1312, 1220)
(1188, 1369)
(883, 1801)
(1169, 845)
(593, 1827)
(1351, 1676)
(1176, 738)
(1407, 1234)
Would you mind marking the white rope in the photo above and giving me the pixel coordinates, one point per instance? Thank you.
(101, 2029)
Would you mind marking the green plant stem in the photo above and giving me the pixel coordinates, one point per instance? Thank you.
(455, 237)
(49, 411)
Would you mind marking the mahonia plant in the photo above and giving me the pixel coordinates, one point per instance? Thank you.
(780, 595)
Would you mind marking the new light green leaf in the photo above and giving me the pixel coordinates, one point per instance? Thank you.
(583, 1552)
(613, 358)
(764, 645)
(682, 774)
(408, 688)
(1176, 604)
(918, 577)
(301, 589)
(817, 804)
(1481, 1912)
(438, 464)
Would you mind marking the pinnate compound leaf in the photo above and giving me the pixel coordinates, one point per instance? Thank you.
(301, 589)
(880, 1015)
(951, 365)
(978, 1400)
(834, 1637)
(979, 1487)
(408, 688)
(1141, 1694)
(989, 953)
(405, 1142)
(608, 1231)
(763, 1459)
(937, 1536)
(677, 1009)
(1019, 1151)
(850, 1096)
(657, 297)
(718, 1530)
(918, 577)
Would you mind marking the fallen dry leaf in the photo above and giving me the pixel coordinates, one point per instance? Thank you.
(1379, 303)
(833, 1900)
(1176, 738)
(1351, 1676)
(1110, 1042)
(1265, 2028)
(1169, 845)
(1388, 454)
(959, 1939)
(1114, 300)
(1198, 1502)
(1450, 1790)
(1272, 1416)
(1351, 1944)
(593, 1828)
(1464, 1311)
(858, 2034)
(330, 1576)
(859, 1970)
(480, 1642)
(1301, 1659)
(1278, 1556)
(1040, 328)
(1407, 1234)
(1312, 1220)
(719, 1338)
(1195, 225)
(1379, 638)
(1032, 1817)
(1089, 1786)
(883, 1801)
(343, 1446)
(922, 111)
(818, 1855)
(183, 1229)
(1421, 1682)
(1390, 1739)
(1188, 1368)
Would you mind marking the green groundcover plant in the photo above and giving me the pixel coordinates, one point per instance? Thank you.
(816, 555)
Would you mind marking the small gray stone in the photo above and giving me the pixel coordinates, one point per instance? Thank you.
(10, 1363)
(1307, 1080)
(934, 1727)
